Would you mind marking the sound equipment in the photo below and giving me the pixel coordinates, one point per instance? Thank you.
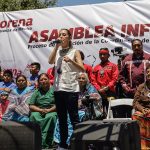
(20, 136)
(100, 135)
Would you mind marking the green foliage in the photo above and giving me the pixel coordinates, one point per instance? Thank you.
(14, 5)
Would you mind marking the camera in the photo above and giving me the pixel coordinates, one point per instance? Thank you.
(117, 51)
(87, 100)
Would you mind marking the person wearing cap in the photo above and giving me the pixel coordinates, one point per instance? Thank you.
(105, 76)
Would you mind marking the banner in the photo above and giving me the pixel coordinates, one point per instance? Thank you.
(26, 36)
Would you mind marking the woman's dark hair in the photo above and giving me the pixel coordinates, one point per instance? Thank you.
(82, 55)
(42, 75)
(21, 76)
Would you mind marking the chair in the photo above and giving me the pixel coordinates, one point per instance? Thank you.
(120, 109)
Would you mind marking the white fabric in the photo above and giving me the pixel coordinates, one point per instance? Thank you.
(27, 36)
(67, 79)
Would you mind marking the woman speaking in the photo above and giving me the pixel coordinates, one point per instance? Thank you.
(68, 64)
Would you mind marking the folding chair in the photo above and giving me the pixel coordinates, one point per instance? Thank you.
(120, 109)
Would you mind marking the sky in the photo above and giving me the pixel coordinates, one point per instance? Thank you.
(62, 3)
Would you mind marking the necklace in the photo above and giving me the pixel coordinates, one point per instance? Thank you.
(63, 52)
(65, 49)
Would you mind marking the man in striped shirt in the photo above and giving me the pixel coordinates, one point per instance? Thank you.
(133, 70)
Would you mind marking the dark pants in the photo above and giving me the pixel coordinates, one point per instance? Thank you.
(66, 102)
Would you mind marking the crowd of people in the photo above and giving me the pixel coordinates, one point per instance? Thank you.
(72, 91)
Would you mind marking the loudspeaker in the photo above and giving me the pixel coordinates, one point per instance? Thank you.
(20, 136)
(99, 135)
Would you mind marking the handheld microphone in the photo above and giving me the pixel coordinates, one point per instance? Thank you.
(57, 41)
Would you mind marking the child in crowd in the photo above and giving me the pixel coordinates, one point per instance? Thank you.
(7, 84)
(34, 71)
(3, 103)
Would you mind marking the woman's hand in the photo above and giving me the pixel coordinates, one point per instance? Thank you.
(67, 59)
(48, 110)
(126, 88)
(77, 61)
(43, 111)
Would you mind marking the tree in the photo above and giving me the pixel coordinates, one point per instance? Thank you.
(14, 5)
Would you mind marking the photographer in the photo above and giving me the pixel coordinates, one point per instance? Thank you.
(89, 97)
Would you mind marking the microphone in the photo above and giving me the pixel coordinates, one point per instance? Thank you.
(57, 41)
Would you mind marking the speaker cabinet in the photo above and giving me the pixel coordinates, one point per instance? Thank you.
(20, 136)
(99, 135)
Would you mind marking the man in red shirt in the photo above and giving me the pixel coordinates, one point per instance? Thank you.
(105, 76)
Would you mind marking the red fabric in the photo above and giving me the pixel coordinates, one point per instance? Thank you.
(144, 124)
(137, 72)
(3, 107)
(103, 51)
(88, 70)
(109, 77)
(51, 73)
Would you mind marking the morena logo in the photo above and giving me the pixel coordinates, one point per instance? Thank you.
(16, 23)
